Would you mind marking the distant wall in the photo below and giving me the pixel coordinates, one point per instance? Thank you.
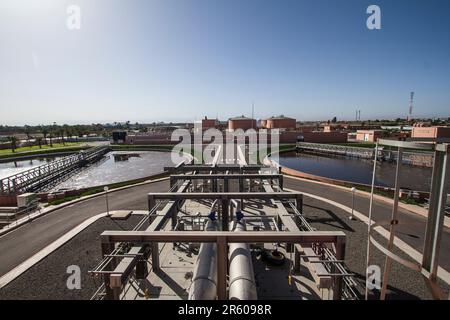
(316, 136)
(430, 132)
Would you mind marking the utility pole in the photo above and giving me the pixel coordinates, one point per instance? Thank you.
(411, 98)
(253, 113)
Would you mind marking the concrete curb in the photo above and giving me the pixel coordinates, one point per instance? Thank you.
(27, 264)
(32, 217)
(443, 274)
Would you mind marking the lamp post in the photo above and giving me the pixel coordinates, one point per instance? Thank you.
(106, 194)
(353, 189)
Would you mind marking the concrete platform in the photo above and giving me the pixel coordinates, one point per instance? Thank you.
(173, 280)
(120, 214)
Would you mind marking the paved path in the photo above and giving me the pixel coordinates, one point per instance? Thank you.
(22, 243)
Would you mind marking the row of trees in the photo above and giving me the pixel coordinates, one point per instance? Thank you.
(46, 134)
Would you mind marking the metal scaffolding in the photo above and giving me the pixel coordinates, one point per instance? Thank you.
(435, 220)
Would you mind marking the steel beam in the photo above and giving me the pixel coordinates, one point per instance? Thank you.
(394, 222)
(225, 213)
(225, 176)
(231, 237)
(222, 267)
(216, 168)
(436, 213)
(223, 195)
(338, 280)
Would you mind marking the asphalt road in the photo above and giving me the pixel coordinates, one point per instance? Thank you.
(22, 243)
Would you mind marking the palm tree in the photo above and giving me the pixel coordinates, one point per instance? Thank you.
(39, 142)
(69, 133)
(28, 132)
(65, 129)
(13, 142)
(61, 134)
(50, 138)
(45, 133)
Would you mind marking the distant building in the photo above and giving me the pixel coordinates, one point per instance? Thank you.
(241, 122)
(419, 132)
(208, 123)
(369, 135)
(307, 128)
(119, 136)
(279, 122)
(313, 136)
(331, 127)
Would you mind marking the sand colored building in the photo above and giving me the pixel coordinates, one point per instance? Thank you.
(369, 135)
(241, 122)
(279, 122)
(419, 132)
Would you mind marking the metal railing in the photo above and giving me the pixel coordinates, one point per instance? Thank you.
(337, 149)
(349, 289)
(365, 153)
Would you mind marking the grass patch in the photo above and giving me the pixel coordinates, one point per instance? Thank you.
(44, 151)
(36, 148)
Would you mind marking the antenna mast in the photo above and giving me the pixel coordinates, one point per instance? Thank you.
(253, 112)
(411, 98)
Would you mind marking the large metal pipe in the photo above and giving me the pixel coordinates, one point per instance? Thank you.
(242, 278)
(204, 280)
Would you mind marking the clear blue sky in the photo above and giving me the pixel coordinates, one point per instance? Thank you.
(179, 60)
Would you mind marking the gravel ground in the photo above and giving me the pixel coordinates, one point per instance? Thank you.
(403, 282)
(47, 279)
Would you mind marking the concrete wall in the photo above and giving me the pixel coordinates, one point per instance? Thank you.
(150, 139)
(316, 137)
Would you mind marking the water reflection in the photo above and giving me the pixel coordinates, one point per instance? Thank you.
(125, 156)
(358, 170)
